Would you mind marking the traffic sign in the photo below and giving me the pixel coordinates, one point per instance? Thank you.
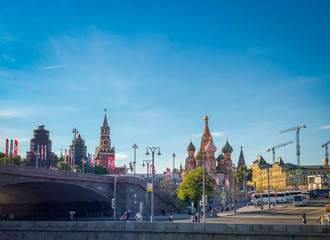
(275, 189)
(149, 187)
(223, 195)
(329, 175)
(298, 171)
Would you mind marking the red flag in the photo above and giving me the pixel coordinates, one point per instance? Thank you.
(7, 146)
(66, 155)
(42, 152)
(16, 148)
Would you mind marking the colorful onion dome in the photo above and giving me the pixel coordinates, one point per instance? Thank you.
(220, 157)
(191, 147)
(227, 148)
(198, 155)
(210, 147)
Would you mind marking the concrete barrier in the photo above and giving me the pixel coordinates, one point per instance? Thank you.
(97, 230)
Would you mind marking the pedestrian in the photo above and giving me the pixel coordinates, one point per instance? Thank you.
(138, 217)
(198, 217)
(273, 204)
(124, 217)
(304, 220)
(170, 218)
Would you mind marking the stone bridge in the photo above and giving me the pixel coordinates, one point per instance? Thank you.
(38, 193)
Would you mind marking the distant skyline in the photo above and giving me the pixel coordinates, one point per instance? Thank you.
(254, 67)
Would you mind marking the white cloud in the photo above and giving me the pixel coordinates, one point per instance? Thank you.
(55, 66)
(121, 155)
(214, 134)
(11, 113)
(218, 134)
(6, 57)
(324, 127)
(7, 37)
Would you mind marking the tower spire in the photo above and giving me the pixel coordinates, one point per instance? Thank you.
(105, 121)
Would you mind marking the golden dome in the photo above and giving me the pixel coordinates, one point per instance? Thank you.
(206, 118)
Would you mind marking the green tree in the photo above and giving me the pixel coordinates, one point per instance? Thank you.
(166, 185)
(5, 159)
(99, 169)
(192, 186)
(62, 165)
(240, 173)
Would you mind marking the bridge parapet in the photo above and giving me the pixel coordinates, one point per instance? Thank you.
(145, 230)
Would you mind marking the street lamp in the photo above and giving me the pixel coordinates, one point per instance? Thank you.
(74, 131)
(153, 150)
(245, 179)
(173, 167)
(268, 188)
(135, 147)
(203, 198)
(234, 187)
(143, 165)
(228, 168)
(116, 176)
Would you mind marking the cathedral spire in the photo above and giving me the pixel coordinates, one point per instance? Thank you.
(206, 133)
(241, 160)
(105, 121)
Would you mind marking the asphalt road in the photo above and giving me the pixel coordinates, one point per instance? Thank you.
(284, 213)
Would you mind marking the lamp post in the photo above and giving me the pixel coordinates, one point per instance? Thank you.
(203, 198)
(234, 187)
(116, 176)
(268, 188)
(245, 179)
(228, 168)
(152, 149)
(74, 131)
(135, 147)
(147, 162)
(173, 167)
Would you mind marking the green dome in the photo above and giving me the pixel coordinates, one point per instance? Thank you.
(227, 148)
(220, 157)
(199, 155)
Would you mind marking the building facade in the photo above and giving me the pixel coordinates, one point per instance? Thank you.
(215, 166)
(283, 176)
(81, 150)
(41, 138)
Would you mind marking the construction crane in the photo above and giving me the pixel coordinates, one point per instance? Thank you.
(278, 146)
(326, 159)
(297, 129)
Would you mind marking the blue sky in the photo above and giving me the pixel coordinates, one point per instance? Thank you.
(254, 67)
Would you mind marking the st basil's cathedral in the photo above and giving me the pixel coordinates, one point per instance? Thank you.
(213, 166)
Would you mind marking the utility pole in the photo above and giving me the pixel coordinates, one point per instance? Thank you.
(203, 198)
(297, 129)
(135, 147)
(268, 188)
(173, 167)
(234, 188)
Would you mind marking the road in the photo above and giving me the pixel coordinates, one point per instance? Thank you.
(284, 213)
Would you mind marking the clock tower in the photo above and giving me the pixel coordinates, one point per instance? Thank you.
(104, 150)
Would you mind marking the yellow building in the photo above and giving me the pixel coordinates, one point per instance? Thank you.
(283, 176)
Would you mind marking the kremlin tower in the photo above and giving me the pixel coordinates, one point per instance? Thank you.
(104, 150)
